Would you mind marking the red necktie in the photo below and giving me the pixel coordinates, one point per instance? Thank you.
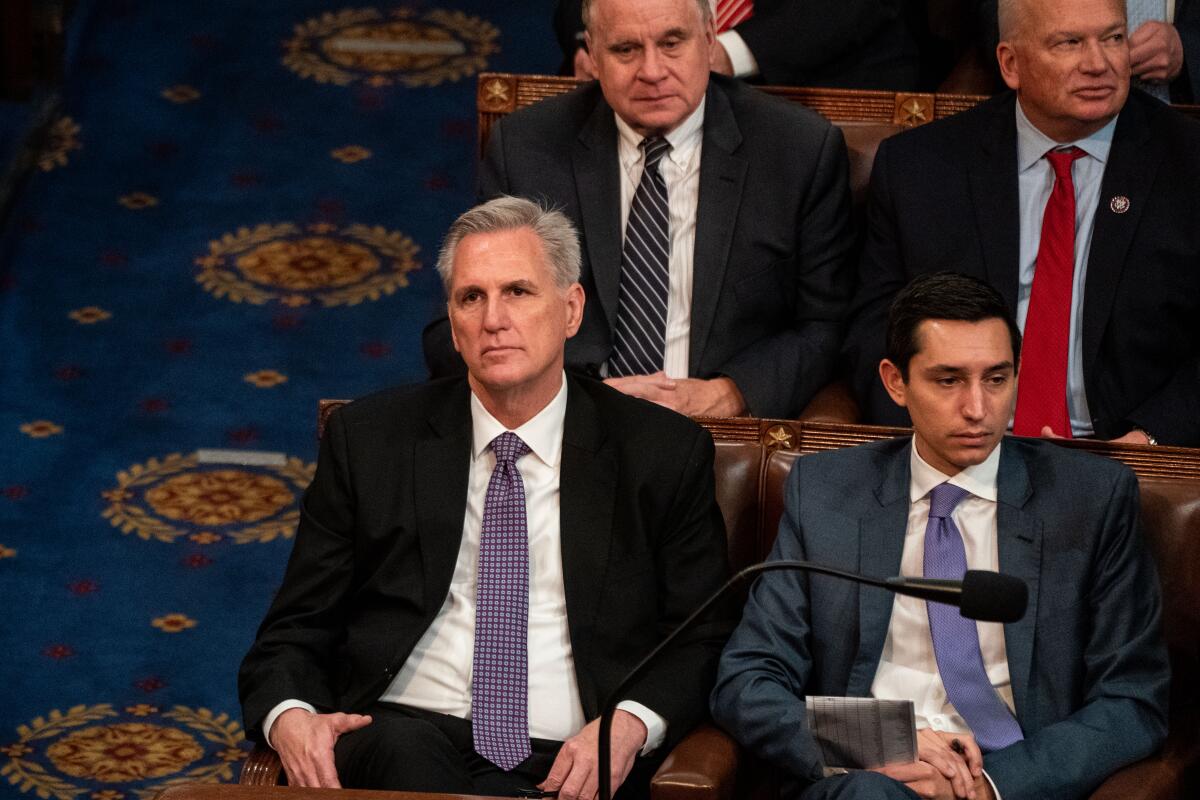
(1042, 390)
(732, 12)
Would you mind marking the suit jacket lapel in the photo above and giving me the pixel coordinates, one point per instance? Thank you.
(443, 456)
(993, 180)
(880, 548)
(597, 178)
(587, 490)
(722, 174)
(1020, 546)
(1133, 161)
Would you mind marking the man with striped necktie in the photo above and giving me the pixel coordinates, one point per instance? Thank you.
(715, 219)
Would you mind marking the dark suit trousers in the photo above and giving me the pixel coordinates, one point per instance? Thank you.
(407, 749)
(853, 786)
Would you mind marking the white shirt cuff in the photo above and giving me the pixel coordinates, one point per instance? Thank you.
(656, 726)
(995, 791)
(273, 714)
(744, 65)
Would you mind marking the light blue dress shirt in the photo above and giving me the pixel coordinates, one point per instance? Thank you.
(1035, 180)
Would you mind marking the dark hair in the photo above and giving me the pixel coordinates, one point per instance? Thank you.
(942, 295)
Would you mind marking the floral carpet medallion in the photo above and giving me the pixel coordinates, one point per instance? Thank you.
(179, 497)
(402, 46)
(105, 754)
(297, 265)
(62, 138)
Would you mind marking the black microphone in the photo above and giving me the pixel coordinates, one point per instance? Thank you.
(981, 595)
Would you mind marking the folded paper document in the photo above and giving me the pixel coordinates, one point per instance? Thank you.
(862, 732)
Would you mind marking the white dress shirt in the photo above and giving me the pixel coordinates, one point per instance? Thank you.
(680, 170)
(437, 674)
(907, 669)
(1035, 180)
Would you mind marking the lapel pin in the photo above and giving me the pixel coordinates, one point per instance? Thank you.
(1119, 204)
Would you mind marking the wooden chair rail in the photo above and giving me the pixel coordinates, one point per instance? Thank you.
(500, 93)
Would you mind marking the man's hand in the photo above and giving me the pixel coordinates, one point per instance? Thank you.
(936, 749)
(574, 774)
(1155, 52)
(718, 59)
(305, 740)
(585, 70)
(1133, 437)
(923, 778)
(718, 397)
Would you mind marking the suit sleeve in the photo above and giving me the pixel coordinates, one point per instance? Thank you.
(294, 652)
(691, 566)
(778, 374)
(441, 359)
(766, 666)
(1186, 85)
(794, 38)
(881, 274)
(1173, 414)
(1123, 711)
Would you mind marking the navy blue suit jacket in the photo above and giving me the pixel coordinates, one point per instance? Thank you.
(1088, 668)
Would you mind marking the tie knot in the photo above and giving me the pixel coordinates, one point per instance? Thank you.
(944, 498)
(1061, 161)
(508, 447)
(655, 148)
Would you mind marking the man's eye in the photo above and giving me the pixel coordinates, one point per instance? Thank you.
(948, 381)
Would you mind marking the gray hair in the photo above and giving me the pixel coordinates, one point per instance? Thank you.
(560, 241)
(1009, 14)
(585, 11)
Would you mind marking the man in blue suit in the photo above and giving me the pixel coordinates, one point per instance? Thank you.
(1044, 707)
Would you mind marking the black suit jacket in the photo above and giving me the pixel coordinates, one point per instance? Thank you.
(770, 278)
(642, 545)
(944, 197)
(856, 44)
(1088, 669)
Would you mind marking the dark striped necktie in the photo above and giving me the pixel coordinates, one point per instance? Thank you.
(640, 339)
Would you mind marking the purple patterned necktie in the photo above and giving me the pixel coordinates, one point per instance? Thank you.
(956, 638)
(499, 715)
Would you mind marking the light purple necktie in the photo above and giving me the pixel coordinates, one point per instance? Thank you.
(956, 638)
(499, 715)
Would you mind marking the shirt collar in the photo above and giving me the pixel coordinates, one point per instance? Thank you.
(543, 432)
(1032, 144)
(978, 479)
(683, 139)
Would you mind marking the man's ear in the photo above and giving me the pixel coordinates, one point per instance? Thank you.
(575, 303)
(893, 381)
(1006, 57)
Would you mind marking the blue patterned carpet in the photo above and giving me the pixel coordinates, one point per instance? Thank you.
(236, 216)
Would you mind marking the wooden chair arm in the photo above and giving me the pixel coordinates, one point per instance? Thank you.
(262, 768)
(701, 767)
(1159, 777)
